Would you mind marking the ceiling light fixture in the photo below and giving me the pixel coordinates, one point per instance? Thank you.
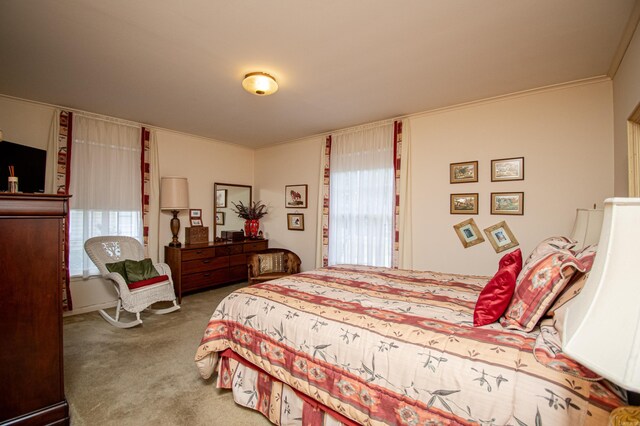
(260, 83)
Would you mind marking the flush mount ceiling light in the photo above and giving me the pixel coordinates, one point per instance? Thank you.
(260, 83)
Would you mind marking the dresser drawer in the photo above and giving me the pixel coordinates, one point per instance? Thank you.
(227, 250)
(238, 259)
(204, 279)
(202, 253)
(208, 264)
(257, 246)
(238, 272)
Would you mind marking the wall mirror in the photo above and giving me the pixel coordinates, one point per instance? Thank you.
(224, 195)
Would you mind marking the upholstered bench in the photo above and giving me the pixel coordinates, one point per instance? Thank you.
(272, 263)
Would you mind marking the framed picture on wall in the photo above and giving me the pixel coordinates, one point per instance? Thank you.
(463, 172)
(501, 237)
(221, 198)
(464, 203)
(295, 196)
(507, 203)
(468, 233)
(507, 169)
(295, 221)
(220, 218)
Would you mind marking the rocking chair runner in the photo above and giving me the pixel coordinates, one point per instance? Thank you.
(103, 250)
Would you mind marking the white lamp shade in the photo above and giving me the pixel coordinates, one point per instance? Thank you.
(174, 193)
(602, 324)
(586, 228)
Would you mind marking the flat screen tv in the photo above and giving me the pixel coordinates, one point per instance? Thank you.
(29, 166)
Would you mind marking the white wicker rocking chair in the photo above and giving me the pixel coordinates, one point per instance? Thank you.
(102, 250)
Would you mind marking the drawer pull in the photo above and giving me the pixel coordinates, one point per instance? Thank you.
(206, 261)
(199, 252)
(208, 274)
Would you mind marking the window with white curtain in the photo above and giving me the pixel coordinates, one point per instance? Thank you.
(105, 186)
(362, 197)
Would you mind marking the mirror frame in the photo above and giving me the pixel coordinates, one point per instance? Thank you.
(215, 208)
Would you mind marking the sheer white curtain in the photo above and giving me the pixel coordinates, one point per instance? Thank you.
(105, 186)
(362, 196)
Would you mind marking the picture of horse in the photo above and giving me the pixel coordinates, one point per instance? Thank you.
(295, 196)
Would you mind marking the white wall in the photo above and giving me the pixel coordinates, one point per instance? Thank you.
(295, 163)
(626, 97)
(565, 135)
(202, 161)
(25, 123)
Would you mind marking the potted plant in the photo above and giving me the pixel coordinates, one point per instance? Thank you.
(252, 214)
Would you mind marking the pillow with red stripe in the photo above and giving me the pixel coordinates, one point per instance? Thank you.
(537, 288)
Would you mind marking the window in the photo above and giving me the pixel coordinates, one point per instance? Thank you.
(362, 197)
(105, 185)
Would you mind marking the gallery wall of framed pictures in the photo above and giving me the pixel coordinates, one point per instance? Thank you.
(500, 202)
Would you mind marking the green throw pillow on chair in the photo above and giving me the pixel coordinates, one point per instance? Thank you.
(119, 268)
(140, 270)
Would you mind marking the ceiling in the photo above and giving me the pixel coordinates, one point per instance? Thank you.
(179, 64)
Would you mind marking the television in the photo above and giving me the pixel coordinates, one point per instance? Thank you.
(29, 166)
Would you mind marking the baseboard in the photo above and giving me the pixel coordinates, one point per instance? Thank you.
(90, 308)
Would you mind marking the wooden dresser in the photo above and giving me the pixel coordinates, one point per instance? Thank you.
(31, 369)
(200, 266)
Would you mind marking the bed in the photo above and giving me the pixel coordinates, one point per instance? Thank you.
(365, 345)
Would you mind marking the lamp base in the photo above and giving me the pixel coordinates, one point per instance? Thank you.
(175, 228)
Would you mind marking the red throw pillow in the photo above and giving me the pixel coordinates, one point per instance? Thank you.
(496, 295)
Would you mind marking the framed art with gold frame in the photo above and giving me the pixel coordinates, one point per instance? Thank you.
(463, 172)
(295, 221)
(463, 203)
(501, 237)
(468, 233)
(504, 169)
(507, 203)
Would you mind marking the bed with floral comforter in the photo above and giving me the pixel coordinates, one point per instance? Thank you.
(373, 346)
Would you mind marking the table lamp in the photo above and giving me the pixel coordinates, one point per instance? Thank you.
(174, 196)
(602, 323)
(587, 227)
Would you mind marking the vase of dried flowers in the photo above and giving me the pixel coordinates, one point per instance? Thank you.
(252, 215)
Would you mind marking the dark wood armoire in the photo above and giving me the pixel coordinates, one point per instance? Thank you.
(31, 270)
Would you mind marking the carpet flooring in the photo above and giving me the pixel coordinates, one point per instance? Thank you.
(146, 375)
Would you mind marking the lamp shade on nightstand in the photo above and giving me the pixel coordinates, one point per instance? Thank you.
(602, 323)
(586, 228)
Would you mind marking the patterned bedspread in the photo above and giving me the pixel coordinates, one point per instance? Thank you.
(383, 346)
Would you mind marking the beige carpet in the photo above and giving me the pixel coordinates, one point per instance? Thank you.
(146, 375)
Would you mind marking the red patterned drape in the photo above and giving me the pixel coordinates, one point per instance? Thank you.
(397, 154)
(325, 203)
(63, 175)
(145, 172)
